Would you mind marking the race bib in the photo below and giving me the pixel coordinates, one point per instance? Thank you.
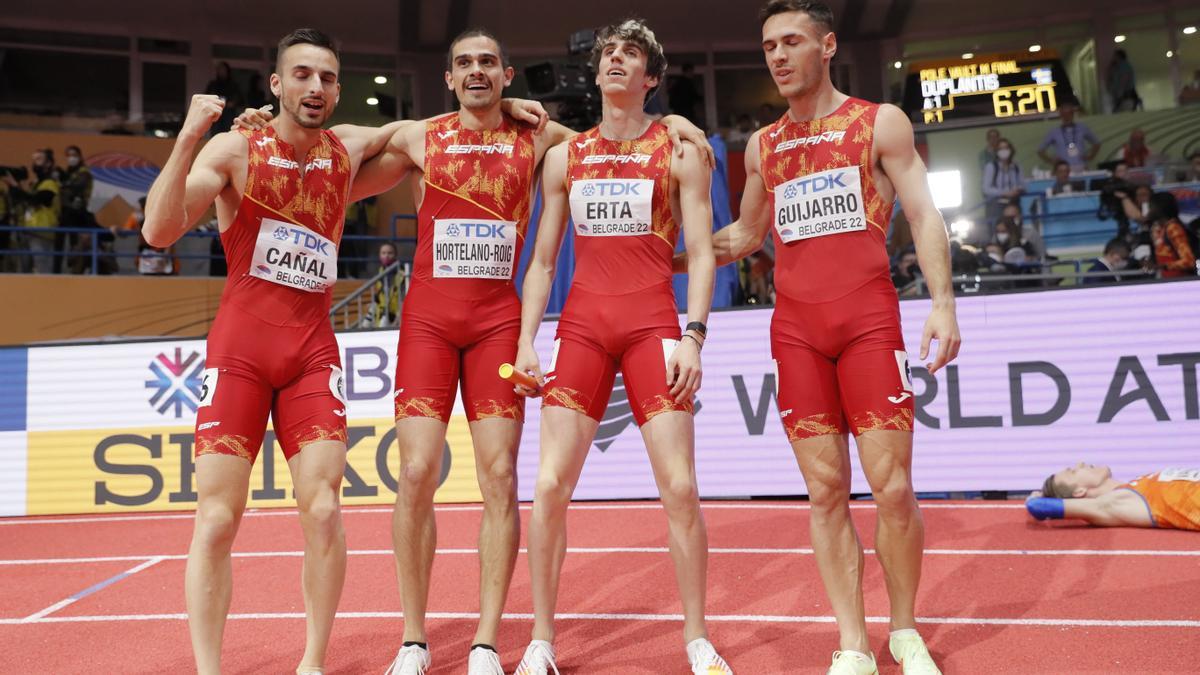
(474, 249)
(612, 207)
(294, 256)
(1171, 475)
(819, 205)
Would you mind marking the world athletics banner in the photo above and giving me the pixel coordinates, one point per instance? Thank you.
(1106, 375)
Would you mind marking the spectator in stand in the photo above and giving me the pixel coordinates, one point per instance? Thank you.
(1190, 94)
(227, 88)
(76, 193)
(38, 200)
(1173, 253)
(385, 296)
(1122, 83)
(759, 266)
(7, 262)
(1072, 142)
(1027, 233)
(1008, 236)
(150, 261)
(359, 216)
(1192, 174)
(1062, 180)
(742, 132)
(1135, 153)
(906, 269)
(767, 115)
(684, 95)
(1137, 211)
(1114, 261)
(256, 96)
(1002, 180)
(988, 154)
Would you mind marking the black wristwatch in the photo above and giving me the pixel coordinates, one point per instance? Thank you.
(699, 327)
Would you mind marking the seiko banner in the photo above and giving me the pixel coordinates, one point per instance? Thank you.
(1107, 375)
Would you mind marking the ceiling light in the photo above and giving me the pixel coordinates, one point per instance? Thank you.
(1035, 48)
(968, 55)
(372, 101)
(1118, 39)
(379, 79)
(1170, 53)
(897, 65)
(1189, 30)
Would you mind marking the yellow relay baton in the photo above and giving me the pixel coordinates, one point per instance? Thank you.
(508, 372)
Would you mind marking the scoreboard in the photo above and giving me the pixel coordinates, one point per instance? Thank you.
(986, 86)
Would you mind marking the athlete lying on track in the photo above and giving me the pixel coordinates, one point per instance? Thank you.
(1169, 498)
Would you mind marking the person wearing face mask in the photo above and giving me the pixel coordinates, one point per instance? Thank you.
(1114, 260)
(1026, 233)
(1002, 180)
(38, 201)
(76, 193)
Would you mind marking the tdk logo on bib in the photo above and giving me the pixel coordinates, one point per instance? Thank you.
(816, 183)
(483, 230)
(612, 207)
(303, 238)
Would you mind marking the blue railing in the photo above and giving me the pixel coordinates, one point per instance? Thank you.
(96, 253)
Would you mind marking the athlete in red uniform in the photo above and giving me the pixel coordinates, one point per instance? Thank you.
(823, 179)
(628, 199)
(461, 319)
(280, 196)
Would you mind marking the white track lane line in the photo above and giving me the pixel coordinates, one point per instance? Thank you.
(352, 510)
(91, 589)
(1103, 553)
(724, 618)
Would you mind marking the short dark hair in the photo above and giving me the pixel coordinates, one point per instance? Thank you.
(1116, 244)
(636, 31)
(1165, 204)
(1061, 162)
(76, 149)
(306, 36)
(819, 12)
(473, 33)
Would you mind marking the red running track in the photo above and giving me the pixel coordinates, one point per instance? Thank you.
(1000, 594)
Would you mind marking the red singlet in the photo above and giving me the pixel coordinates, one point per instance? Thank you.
(621, 309)
(461, 317)
(835, 334)
(271, 349)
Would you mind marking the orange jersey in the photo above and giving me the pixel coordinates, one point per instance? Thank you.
(829, 220)
(283, 243)
(473, 216)
(1173, 496)
(620, 197)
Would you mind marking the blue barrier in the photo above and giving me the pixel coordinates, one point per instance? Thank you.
(99, 236)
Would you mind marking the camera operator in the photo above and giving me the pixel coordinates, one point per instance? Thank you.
(38, 199)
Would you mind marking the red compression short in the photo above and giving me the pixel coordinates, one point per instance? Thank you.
(441, 338)
(840, 361)
(256, 369)
(598, 334)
